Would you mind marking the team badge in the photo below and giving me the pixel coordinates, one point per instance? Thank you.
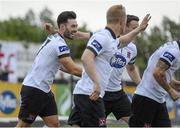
(63, 48)
(169, 56)
(97, 45)
(128, 55)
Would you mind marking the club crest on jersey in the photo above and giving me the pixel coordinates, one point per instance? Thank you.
(117, 61)
(169, 56)
(97, 45)
(128, 55)
(63, 48)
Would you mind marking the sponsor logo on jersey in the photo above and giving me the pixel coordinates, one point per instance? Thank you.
(97, 45)
(7, 102)
(169, 56)
(63, 48)
(118, 61)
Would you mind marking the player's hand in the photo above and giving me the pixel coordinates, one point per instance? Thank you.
(96, 92)
(144, 23)
(175, 85)
(49, 28)
(174, 95)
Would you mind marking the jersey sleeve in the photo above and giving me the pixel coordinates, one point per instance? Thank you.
(62, 50)
(169, 56)
(97, 44)
(134, 54)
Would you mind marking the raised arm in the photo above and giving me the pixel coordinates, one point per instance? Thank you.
(125, 39)
(49, 28)
(160, 76)
(78, 35)
(83, 35)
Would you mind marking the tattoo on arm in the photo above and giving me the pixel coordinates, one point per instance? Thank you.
(163, 66)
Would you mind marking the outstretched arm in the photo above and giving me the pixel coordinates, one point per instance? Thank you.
(160, 76)
(125, 39)
(83, 35)
(78, 35)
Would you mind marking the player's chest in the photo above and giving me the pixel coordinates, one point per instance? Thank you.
(121, 58)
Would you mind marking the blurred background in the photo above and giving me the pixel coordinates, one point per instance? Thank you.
(22, 32)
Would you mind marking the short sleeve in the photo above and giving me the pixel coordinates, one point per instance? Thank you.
(134, 54)
(169, 56)
(132, 61)
(97, 43)
(62, 50)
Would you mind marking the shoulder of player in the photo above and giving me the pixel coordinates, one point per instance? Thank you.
(172, 49)
(100, 37)
(57, 40)
(132, 46)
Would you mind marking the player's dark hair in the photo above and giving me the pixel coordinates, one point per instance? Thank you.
(131, 18)
(64, 16)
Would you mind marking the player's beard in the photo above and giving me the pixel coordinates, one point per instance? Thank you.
(68, 35)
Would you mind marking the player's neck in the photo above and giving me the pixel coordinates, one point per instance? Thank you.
(114, 28)
(61, 34)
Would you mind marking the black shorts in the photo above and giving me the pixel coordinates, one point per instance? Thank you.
(35, 102)
(147, 112)
(117, 103)
(87, 113)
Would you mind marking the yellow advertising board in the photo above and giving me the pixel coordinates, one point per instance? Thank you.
(10, 99)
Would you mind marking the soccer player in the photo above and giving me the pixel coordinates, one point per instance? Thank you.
(148, 104)
(115, 99)
(36, 96)
(88, 107)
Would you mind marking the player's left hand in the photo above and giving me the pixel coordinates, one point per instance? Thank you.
(49, 28)
(144, 23)
(96, 92)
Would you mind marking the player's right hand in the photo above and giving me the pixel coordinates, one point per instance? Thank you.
(96, 92)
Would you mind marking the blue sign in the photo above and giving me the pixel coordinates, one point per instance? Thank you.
(7, 102)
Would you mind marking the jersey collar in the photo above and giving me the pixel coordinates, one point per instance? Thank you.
(112, 33)
(60, 35)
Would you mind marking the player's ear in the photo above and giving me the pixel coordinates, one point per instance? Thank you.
(62, 27)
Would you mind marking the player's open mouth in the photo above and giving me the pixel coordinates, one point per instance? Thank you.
(72, 34)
